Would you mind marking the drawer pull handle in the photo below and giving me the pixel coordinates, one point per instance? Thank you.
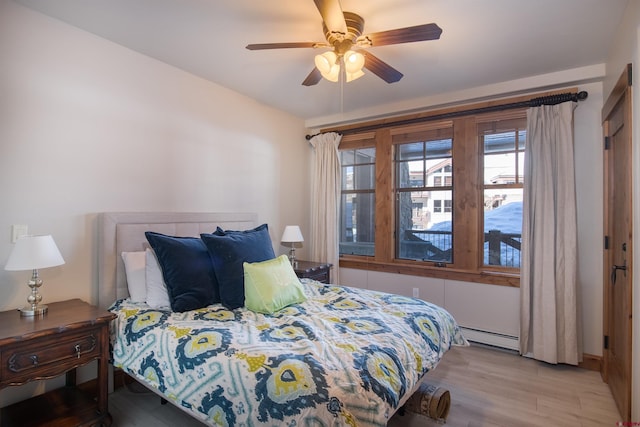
(34, 359)
(77, 347)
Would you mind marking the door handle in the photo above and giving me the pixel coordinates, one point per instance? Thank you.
(614, 271)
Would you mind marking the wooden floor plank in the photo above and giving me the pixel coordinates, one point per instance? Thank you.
(489, 388)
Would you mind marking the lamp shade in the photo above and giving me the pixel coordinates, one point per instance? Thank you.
(353, 61)
(328, 65)
(326, 61)
(352, 76)
(292, 234)
(34, 252)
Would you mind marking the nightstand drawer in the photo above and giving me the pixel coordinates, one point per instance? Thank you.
(313, 270)
(48, 356)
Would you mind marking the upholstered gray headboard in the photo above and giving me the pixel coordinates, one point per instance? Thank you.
(124, 232)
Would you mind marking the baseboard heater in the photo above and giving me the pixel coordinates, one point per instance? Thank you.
(491, 338)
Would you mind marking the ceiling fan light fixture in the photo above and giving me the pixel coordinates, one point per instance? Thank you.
(328, 65)
(352, 76)
(333, 75)
(326, 61)
(353, 62)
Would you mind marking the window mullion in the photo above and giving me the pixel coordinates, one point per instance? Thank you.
(384, 197)
(466, 199)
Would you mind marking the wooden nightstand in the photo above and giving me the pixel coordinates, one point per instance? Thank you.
(72, 333)
(319, 271)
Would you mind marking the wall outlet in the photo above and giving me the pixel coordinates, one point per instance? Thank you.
(416, 292)
(18, 231)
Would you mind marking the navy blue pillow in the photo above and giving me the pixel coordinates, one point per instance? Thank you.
(187, 271)
(228, 250)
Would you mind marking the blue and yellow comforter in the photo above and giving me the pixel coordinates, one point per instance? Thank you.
(346, 356)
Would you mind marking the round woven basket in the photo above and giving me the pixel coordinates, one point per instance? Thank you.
(430, 400)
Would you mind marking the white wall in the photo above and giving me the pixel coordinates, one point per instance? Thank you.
(88, 126)
(625, 50)
(588, 154)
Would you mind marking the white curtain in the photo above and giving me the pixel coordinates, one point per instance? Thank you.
(325, 200)
(549, 326)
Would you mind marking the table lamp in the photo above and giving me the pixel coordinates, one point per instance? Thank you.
(32, 253)
(290, 237)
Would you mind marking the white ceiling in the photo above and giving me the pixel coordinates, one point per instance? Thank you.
(484, 42)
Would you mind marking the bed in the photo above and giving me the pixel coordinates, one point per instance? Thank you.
(338, 356)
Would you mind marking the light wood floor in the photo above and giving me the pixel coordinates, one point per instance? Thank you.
(488, 388)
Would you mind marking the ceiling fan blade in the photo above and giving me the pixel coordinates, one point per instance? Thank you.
(381, 69)
(403, 35)
(261, 46)
(332, 15)
(313, 78)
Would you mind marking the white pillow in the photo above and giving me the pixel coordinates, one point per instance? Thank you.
(157, 295)
(134, 266)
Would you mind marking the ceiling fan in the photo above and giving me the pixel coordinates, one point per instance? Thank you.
(343, 33)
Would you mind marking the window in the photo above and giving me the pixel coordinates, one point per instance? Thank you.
(357, 207)
(447, 197)
(427, 159)
(503, 159)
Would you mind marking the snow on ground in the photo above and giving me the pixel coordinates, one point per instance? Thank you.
(507, 219)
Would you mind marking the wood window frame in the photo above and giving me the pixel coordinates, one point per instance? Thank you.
(467, 199)
(344, 146)
(499, 123)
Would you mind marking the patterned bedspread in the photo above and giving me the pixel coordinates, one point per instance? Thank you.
(346, 356)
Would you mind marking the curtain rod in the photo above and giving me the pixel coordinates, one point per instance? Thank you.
(534, 102)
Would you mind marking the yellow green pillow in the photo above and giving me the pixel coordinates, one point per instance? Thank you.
(270, 286)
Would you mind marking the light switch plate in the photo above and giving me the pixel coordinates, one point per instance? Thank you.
(18, 231)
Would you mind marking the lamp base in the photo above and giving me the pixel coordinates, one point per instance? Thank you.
(38, 310)
(292, 257)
